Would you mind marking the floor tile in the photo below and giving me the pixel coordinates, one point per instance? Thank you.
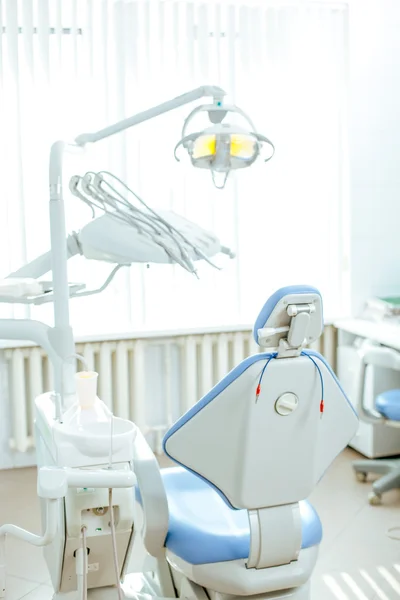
(43, 592)
(372, 583)
(24, 560)
(17, 588)
(357, 559)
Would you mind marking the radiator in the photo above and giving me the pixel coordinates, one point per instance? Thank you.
(151, 381)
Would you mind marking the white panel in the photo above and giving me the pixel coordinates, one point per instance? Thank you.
(138, 410)
(59, 33)
(203, 31)
(105, 374)
(27, 25)
(238, 348)
(74, 33)
(11, 132)
(329, 345)
(253, 346)
(168, 375)
(189, 373)
(48, 372)
(121, 400)
(206, 364)
(222, 356)
(43, 37)
(317, 345)
(18, 401)
(35, 377)
(88, 355)
(88, 37)
(190, 42)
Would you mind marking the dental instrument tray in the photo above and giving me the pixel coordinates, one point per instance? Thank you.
(27, 290)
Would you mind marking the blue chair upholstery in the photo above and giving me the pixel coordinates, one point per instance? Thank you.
(388, 404)
(204, 529)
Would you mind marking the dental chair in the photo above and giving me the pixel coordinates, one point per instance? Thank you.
(386, 411)
(232, 519)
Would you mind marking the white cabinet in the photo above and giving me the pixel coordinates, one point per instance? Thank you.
(372, 441)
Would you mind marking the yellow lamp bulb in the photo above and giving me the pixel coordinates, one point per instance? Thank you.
(205, 145)
(242, 146)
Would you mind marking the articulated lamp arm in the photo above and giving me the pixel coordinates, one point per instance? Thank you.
(205, 91)
(59, 251)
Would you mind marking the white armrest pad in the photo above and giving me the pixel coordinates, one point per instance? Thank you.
(154, 499)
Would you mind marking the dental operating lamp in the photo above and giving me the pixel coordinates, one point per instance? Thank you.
(128, 230)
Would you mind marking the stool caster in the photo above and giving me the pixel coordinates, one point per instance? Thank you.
(362, 477)
(374, 499)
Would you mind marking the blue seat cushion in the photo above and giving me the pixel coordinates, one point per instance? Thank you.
(204, 529)
(388, 404)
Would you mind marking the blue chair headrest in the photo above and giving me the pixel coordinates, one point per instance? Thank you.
(270, 304)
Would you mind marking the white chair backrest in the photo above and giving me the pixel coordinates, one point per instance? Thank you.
(254, 456)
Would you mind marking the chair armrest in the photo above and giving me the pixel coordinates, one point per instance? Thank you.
(153, 497)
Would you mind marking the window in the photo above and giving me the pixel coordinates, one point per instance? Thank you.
(69, 67)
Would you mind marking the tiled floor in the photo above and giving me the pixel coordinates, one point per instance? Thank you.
(358, 561)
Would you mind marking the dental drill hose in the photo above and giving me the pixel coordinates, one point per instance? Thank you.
(114, 544)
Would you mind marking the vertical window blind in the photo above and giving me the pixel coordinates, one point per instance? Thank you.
(69, 66)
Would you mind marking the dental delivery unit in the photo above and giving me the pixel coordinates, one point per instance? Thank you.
(232, 519)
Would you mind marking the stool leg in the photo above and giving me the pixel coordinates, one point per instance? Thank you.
(391, 481)
(378, 467)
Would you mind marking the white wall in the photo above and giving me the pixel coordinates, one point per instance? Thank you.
(374, 123)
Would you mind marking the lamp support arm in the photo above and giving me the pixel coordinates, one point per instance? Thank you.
(59, 253)
(201, 92)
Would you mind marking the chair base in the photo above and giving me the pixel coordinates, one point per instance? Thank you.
(233, 578)
(303, 593)
(184, 588)
(390, 480)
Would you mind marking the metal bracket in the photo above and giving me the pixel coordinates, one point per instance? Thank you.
(297, 331)
(275, 536)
